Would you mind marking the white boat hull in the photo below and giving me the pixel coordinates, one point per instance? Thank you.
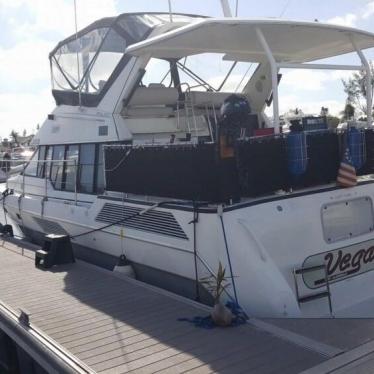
(266, 241)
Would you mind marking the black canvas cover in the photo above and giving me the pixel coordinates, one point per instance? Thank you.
(189, 172)
(262, 165)
(368, 167)
(323, 159)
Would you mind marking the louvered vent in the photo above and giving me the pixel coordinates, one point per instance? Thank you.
(154, 221)
(50, 227)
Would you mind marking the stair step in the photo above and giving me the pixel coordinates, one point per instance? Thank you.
(41, 253)
(314, 296)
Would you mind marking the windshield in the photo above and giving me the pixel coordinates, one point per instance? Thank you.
(202, 72)
(72, 62)
(86, 63)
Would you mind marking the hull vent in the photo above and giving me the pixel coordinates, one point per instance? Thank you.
(154, 221)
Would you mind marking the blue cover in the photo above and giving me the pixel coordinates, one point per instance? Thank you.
(356, 145)
(297, 157)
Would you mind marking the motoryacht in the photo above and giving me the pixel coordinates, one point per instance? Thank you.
(160, 151)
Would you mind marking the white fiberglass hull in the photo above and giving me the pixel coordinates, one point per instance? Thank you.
(266, 240)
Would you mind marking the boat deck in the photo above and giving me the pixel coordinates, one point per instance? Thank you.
(106, 324)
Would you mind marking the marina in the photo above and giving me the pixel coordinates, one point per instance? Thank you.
(85, 319)
(170, 215)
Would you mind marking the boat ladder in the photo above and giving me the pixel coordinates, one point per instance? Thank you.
(316, 295)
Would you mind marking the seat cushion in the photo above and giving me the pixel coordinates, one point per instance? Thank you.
(148, 111)
(145, 96)
(203, 98)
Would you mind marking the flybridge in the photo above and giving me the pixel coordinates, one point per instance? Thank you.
(282, 44)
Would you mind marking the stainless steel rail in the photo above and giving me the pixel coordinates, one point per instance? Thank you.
(47, 177)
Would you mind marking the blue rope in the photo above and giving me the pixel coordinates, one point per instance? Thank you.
(239, 318)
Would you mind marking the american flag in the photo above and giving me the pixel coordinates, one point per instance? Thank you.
(347, 172)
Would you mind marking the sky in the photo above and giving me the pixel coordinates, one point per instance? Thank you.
(31, 28)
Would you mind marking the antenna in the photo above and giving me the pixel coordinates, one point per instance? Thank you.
(78, 67)
(170, 12)
(236, 8)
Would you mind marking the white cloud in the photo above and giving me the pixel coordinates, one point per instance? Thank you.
(349, 19)
(312, 80)
(26, 61)
(369, 10)
(291, 101)
(352, 19)
(56, 15)
(21, 111)
(25, 92)
(299, 88)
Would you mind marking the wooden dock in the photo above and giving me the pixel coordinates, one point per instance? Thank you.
(95, 321)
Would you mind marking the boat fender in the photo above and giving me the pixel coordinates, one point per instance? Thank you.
(124, 267)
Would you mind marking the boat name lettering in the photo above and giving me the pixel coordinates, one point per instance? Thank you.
(348, 262)
(340, 263)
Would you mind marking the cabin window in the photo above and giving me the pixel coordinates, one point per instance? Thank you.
(88, 159)
(32, 167)
(57, 167)
(70, 167)
(87, 168)
(47, 165)
(41, 166)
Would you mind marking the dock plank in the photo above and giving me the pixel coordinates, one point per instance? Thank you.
(122, 326)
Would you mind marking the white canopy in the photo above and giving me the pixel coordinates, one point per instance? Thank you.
(289, 41)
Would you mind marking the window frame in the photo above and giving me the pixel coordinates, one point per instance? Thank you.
(95, 177)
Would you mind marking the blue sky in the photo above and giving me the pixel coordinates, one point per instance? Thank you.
(31, 28)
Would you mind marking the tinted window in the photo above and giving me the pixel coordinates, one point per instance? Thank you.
(47, 165)
(86, 168)
(57, 166)
(71, 165)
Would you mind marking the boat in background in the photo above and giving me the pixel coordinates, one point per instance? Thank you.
(14, 161)
(20, 155)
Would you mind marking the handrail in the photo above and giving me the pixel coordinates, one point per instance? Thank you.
(189, 104)
(47, 176)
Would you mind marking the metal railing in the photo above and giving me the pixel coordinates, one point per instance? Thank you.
(48, 174)
(190, 108)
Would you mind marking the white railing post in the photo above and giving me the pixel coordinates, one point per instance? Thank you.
(226, 8)
(274, 77)
(369, 97)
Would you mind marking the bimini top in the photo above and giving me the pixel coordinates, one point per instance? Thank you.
(289, 41)
(91, 60)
